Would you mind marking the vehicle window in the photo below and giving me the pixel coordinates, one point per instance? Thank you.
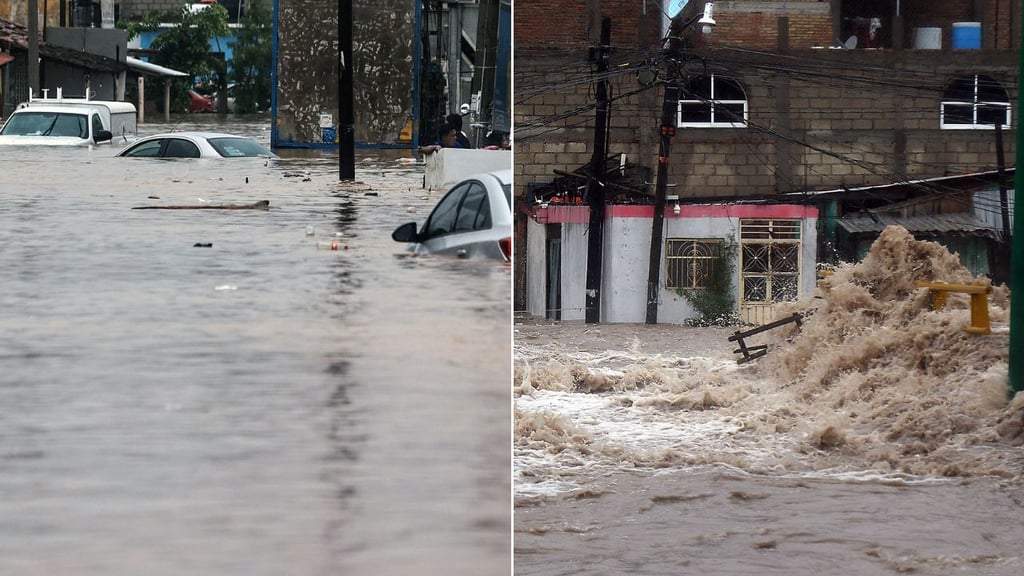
(442, 219)
(475, 211)
(70, 125)
(507, 188)
(148, 149)
(178, 148)
(238, 148)
(97, 124)
(29, 123)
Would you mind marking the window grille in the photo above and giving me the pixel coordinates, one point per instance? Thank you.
(769, 260)
(690, 262)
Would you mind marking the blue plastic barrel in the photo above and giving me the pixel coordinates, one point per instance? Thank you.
(966, 35)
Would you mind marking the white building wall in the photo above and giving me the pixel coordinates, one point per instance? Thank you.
(536, 268)
(673, 308)
(808, 257)
(627, 258)
(574, 271)
(627, 241)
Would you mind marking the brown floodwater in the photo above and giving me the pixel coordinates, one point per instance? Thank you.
(876, 437)
(222, 392)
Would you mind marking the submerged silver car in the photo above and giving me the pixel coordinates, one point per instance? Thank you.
(473, 220)
(196, 145)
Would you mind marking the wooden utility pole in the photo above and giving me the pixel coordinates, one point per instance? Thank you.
(595, 186)
(346, 118)
(668, 129)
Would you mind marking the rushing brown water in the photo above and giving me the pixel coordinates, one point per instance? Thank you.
(876, 437)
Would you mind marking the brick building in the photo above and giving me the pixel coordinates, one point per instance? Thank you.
(784, 97)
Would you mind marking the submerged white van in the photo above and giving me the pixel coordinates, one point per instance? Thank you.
(69, 122)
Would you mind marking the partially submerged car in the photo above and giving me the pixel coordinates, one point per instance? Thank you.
(196, 145)
(472, 220)
(201, 102)
(68, 122)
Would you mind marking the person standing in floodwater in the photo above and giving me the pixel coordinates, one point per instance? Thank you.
(456, 121)
(448, 139)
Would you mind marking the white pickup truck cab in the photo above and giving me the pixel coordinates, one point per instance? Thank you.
(69, 122)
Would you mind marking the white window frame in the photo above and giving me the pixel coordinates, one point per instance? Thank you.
(974, 104)
(711, 103)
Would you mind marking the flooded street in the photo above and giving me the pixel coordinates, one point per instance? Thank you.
(219, 392)
(876, 438)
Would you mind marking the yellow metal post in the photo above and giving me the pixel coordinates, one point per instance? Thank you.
(980, 323)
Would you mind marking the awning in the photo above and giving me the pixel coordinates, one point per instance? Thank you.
(956, 224)
(146, 68)
(5, 58)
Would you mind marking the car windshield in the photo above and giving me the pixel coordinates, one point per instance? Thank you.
(47, 124)
(239, 147)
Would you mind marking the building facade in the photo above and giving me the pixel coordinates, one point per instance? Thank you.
(785, 98)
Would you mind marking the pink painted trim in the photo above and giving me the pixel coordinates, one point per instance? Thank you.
(564, 214)
(581, 214)
(717, 211)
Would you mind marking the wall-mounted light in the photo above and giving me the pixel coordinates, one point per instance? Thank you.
(707, 22)
(675, 206)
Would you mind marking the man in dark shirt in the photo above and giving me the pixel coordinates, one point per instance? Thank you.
(448, 139)
(456, 121)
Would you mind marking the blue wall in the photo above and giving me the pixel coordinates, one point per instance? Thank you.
(225, 44)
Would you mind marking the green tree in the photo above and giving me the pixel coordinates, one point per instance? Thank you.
(253, 58)
(186, 46)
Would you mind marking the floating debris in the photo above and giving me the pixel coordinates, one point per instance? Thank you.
(261, 205)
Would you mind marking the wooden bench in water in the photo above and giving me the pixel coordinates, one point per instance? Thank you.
(979, 302)
(751, 352)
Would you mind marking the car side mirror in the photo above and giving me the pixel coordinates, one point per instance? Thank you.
(103, 136)
(405, 233)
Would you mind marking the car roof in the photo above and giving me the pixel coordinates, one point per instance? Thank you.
(197, 134)
(504, 176)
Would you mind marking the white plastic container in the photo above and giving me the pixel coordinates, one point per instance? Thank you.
(928, 38)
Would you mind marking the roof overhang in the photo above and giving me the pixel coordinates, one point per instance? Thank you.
(149, 69)
(956, 224)
(1009, 173)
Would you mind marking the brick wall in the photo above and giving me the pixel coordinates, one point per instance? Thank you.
(849, 112)
(575, 24)
(819, 118)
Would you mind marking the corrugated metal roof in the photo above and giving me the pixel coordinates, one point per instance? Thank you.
(1010, 171)
(962, 224)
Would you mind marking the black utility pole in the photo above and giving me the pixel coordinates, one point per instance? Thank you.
(668, 130)
(595, 186)
(33, 47)
(346, 117)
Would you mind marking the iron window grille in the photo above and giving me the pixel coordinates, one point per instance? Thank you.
(769, 260)
(690, 262)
